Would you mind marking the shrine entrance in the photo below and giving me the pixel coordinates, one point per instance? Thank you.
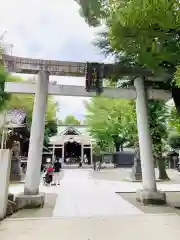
(72, 152)
(71, 144)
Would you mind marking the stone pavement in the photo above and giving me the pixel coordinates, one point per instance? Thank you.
(87, 208)
(84, 197)
(105, 178)
(123, 175)
(127, 227)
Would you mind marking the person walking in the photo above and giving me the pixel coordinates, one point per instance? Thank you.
(57, 169)
(85, 159)
(94, 166)
(98, 166)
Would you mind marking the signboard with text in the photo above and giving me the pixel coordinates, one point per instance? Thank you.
(94, 74)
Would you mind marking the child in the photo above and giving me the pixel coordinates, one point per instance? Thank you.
(49, 175)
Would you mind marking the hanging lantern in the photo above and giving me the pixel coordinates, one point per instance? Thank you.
(94, 77)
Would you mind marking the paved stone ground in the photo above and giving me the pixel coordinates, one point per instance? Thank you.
(134, 227)
(47, 211)
(81, 196)
(173, 201)
(86, 193)
(87, 207)
(123, 174)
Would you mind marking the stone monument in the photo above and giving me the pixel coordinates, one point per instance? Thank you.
(136, 174)
(15, 162)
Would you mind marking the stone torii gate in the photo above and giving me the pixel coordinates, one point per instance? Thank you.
(45, 68)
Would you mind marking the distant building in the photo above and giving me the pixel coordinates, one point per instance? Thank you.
(72, 144)
(15, 129)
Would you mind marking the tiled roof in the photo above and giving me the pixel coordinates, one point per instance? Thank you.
(70, 138)
(81, 131)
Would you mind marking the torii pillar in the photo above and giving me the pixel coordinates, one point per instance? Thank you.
(31, 196)
(149, 194)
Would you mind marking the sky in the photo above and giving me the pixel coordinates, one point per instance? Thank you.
(53, 30)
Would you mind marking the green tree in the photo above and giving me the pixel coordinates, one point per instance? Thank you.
(93, 11)
(70, 119)
(142, 33)
(174, 141)
(25, 102)
(174, 123)
(4, 97)
(60, 122)
(49, 131)
(147, 31)
(174, 120)
(111, 121)
(158, 116)
(158, 111)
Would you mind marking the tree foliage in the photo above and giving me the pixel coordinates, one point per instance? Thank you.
(70, 120)
(174, 120)
(50, 130)
(111, 121)
(158, 117)
(174, 123)
(146, 34)
(26, 101)
(93, 11)
(148, 31)
(174, 141)
(4, 97)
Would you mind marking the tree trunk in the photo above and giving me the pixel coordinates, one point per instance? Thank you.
(117, 146)
(122, 148)
(162, 169)
(161, 163)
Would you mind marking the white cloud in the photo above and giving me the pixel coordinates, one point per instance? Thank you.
(50, 29)
(45, 25)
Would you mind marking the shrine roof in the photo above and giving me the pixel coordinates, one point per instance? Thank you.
(80, 129)
(77, 133)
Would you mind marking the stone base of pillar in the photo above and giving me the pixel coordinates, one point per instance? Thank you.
(15, 175)
(30, 201)
(136, 174)
(146, 197)
(135, 177)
